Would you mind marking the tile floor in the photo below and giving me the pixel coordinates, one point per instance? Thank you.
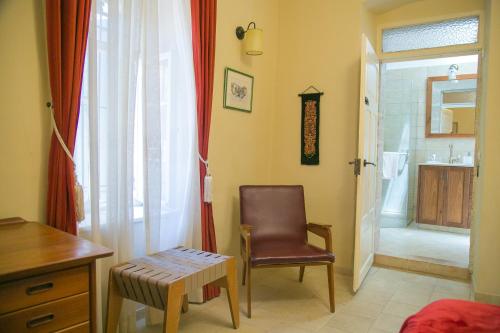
(281, 304)
(422, 244)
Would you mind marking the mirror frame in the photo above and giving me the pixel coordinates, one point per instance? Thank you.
(428, 107)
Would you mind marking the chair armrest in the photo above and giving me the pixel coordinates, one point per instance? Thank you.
(245, 230)
(245, 235)
(323, 231)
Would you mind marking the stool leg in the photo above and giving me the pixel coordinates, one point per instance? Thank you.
(301, 273)
(232, 291)
(173, 305)
(114, 305)
(185, 304)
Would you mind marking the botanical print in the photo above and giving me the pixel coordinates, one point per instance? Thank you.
(310, 129)
(238, 90)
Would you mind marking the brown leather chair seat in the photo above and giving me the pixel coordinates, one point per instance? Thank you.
(283, 252)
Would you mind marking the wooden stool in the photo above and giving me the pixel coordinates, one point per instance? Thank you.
(162, 280)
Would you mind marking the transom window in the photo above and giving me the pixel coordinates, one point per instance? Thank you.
(457, 31)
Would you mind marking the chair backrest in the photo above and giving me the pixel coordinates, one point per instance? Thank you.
(277, 212)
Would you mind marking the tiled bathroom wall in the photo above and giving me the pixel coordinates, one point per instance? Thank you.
(402, 104)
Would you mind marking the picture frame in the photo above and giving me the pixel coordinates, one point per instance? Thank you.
(238, 90)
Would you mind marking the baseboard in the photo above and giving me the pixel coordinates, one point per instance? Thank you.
(418, 266)
(343, 270)
(487, 298)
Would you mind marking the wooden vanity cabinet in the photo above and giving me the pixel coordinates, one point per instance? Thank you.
(445, 195)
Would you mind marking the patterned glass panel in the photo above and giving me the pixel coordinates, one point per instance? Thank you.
(458, 31)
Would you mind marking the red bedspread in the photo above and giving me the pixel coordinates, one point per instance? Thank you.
(454, 316)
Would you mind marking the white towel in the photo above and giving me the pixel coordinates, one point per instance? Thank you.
(446, 125)
(390, 165)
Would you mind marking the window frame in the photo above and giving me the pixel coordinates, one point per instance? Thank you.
(429, 52)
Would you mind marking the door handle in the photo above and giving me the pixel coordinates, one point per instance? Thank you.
(365, 163)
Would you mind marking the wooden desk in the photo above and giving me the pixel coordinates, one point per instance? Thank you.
(47, 279)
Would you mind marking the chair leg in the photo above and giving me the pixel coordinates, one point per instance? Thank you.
(331, 287)
(249, 290)
(301, 273)
(173, 305)
(114, 306)
(244, 273)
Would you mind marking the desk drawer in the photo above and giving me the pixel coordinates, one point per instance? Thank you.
(48, 317)
(39, 289)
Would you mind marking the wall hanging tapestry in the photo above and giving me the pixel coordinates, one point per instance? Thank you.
(238, 90)
(310, 127)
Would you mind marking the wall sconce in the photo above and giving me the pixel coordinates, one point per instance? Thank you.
(452, 73)
(252, 39)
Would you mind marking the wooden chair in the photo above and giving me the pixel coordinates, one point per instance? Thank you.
(274, 234)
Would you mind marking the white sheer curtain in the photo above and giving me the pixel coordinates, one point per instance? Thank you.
(136, 150)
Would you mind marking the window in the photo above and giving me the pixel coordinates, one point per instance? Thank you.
(459, 31)
(99, 44)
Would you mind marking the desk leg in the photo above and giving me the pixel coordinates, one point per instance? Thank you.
(93, 301)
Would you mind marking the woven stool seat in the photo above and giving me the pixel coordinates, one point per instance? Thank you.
(162, 280)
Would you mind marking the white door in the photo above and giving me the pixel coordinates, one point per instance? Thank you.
(366, 187)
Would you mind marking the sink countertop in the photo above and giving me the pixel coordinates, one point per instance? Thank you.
(448, 164)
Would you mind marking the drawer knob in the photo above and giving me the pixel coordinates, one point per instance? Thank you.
(39, 288)
(40, 320)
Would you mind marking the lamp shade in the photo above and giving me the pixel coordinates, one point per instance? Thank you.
(252, 44)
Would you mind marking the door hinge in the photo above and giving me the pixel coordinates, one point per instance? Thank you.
(357, 166)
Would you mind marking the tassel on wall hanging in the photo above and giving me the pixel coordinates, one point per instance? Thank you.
(309, 138)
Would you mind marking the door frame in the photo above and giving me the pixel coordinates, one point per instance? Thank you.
(416, 55)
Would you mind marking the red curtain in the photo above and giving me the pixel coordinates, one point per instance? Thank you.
(203, 18)
(67, 28)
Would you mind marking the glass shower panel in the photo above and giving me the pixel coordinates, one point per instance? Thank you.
(399, 108)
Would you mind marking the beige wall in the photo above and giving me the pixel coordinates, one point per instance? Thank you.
(24, 121)
(240, 142)
(427, 9)
(487, 253)
(315, 47)
(264, 146)
(369, 25)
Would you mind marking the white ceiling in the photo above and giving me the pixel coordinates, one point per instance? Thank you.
(381, 6)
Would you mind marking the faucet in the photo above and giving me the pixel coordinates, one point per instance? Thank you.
(452, 160)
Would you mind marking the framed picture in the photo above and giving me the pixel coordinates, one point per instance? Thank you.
(238, 90)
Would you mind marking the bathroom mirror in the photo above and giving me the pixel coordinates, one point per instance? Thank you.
(451, 106)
